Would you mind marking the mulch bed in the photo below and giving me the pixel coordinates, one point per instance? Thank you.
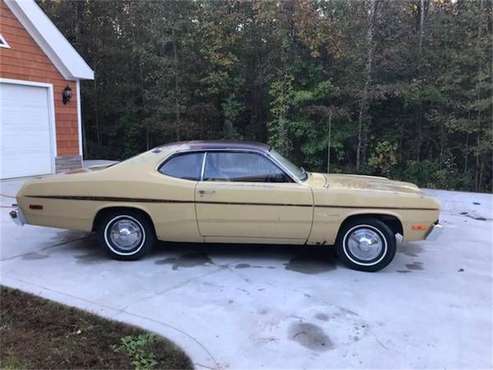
(36, 333)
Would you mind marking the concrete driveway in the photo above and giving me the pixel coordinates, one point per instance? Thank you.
(282, 307)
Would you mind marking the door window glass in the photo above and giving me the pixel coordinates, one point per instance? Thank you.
(242, 167)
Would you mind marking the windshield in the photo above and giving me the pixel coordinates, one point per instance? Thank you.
(299, 172)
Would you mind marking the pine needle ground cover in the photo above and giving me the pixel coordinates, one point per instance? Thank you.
(36, 333)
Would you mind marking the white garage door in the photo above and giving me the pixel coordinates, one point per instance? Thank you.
(25, 131)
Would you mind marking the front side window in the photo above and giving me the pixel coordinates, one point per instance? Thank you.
(242, 167)
(186, 166)
(299, 172)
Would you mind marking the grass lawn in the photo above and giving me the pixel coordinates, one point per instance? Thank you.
(36, 333)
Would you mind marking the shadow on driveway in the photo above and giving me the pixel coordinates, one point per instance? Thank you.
(303, 259)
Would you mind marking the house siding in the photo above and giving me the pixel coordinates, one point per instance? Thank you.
(25, 60)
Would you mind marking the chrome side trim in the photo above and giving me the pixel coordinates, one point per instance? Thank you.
(260, 152)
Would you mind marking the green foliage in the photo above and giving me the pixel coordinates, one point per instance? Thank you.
(280, 71)
(435, 174)
(139, 351)
(282, 92)
(232, 109)
(383, 158)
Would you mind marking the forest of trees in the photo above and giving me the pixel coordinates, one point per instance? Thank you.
(403, 87)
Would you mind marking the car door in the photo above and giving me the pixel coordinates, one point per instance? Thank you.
(245, 197)
(174, 213)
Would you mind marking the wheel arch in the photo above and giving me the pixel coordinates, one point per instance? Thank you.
(393, 221)
(112, 209)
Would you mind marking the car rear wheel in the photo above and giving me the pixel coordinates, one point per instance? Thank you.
(366, 244)
(125, 235)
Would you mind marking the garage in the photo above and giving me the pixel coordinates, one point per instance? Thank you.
(40, 105)
(26, 130)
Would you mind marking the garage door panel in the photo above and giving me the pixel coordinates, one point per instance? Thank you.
(25, 131)
(30, 139)
(30, 116)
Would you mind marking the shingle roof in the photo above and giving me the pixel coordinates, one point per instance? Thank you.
(61, 53)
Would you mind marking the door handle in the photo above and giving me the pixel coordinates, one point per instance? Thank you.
(203, 192)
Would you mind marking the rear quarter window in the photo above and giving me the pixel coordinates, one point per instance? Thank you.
(187, 166)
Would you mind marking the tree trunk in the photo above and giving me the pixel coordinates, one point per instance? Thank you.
(476, 171)
(363, 109)
(401, 142)
(420, 103)
(257, 85)
(99, 139)
(466, 154)
(329, 141)
(148, 144)
(442, 144)
(177, 99)
(477, 178)
(142, 109)
(481, 172)
(421, 25)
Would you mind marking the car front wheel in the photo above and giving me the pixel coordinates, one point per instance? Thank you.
(125, 235)
(366, 244)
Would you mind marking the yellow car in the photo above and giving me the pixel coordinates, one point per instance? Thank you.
(230, 192)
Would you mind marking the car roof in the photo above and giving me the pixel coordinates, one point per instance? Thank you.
(216, 145)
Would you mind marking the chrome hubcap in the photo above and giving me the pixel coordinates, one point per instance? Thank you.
(365, 244)
(125, 234)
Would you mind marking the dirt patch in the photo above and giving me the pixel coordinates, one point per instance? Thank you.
(347, 312)
(306, 264)
(322, 316)
(475, 217)
(91, 258)
(39, 334)
(310, 336)
(415, 266)
(186, 260)
(247, 265)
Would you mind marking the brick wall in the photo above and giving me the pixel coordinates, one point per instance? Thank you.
(25, 60)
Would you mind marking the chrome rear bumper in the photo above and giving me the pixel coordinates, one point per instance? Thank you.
(17, 216)
(434, 232)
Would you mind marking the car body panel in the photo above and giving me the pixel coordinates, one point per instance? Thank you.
(338, 197)
(303, 212)
(254, 210)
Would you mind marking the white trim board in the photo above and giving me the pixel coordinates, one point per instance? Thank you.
(61, 53)
(79, 121)
(51, 112)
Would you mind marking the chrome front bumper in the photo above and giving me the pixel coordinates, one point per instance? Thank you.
(434, 232)
(17, 216)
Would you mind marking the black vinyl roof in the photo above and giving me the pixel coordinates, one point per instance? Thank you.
(218, 144)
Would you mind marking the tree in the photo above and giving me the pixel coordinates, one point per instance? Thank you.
(404, 86)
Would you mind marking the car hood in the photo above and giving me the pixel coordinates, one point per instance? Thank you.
(341, 181)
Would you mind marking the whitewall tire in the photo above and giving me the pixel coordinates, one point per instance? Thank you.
(366, 244)
(125, 234)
